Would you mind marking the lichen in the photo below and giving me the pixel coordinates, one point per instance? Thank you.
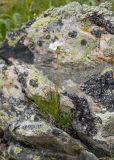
(111, 42)
(103, 8)
(42, 22)
(13, 42)
(108, 128)
(106, 70)
(36, 157)
(39, 77)
(18, 150)
(88, 50)
(109, 51)
(1, 83)
(77, 148)
(4, 118)
(43, 128)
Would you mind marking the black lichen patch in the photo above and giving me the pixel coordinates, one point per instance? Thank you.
(57, 25)
(19, 52)
(40, 43)
(46, 14)
(83, 120)
(30, 22)
(33, 83)
(102, 22)
(100, 87)
(16, 33)
(22, 79)
(83, 42)
(72, 34)
(96, 33)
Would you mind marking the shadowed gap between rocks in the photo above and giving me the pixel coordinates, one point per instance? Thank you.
(19, 52)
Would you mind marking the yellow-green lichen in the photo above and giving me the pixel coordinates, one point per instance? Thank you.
(42, 22)
(39, 77)
(109, 51)
(84, 52)
(43, 128)
(3, 119)
(12, 43)
(18, 150)
(36, 157)
(111, 42)
(108, 69)
(108, 128)
(52, 158)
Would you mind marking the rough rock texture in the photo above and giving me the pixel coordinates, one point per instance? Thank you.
(57, 86)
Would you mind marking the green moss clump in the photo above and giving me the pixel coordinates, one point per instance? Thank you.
(51, 107)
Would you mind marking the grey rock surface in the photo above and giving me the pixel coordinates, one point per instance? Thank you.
(66, 51)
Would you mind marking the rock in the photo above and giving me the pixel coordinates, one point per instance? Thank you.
(40, 134)
(18, 152)
(57, 85)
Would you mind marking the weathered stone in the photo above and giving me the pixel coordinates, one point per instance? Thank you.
(61, 70)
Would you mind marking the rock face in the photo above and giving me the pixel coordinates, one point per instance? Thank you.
(57, 86)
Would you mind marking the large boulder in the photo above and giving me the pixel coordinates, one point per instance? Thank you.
(57, 74)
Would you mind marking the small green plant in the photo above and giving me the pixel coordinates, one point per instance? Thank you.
(51, 106)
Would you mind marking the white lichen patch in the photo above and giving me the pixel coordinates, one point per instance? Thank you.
(55, 45)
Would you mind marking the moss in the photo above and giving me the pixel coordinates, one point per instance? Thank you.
(51, 106)
(36, 157)
(18, 150)
(108, 128)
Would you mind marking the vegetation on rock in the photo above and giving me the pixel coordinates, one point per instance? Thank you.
(51, 107)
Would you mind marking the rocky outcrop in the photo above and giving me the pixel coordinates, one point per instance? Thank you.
(56, 86)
